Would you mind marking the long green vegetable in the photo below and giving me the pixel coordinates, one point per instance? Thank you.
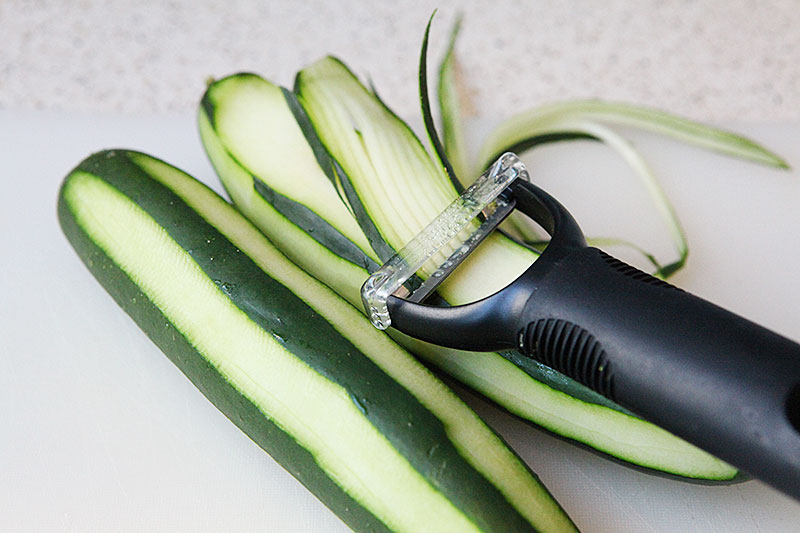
(247, 125)
(353, 416)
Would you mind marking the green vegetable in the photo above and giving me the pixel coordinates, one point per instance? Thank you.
(351, 145)
(353, 416)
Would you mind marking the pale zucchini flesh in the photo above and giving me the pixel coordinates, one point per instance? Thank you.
(353, 416)
(589, 420)
(397, 182)
(309, 249)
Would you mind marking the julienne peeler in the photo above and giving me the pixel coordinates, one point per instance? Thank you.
(703, 373)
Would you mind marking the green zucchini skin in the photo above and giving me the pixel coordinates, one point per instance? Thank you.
(316, 226)
(412, 430)
(336, 173)
(241, 179)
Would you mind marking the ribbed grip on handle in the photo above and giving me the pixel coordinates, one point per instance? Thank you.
(571, 350)
(719, 381)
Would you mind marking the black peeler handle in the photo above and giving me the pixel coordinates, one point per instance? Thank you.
(703, 373)
(721, 382)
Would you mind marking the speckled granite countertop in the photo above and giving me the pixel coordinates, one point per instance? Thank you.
(706, 59)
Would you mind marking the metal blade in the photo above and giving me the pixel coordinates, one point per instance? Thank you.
(492, 220)
(450, 225)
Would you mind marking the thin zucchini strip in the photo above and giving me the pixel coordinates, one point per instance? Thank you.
(518, 128)
(574, 126)
(353, 416)
(427, 115)
(452, 104)
(589, 119)
(589, 418)
(585, 120)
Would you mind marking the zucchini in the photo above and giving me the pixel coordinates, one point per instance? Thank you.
(241, 119)
(353, 416)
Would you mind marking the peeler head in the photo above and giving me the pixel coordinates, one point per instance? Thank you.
(448, 239)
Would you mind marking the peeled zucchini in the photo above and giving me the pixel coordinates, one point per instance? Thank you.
(353, 416)
(248, 127)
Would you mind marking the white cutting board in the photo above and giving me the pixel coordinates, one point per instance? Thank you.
(99, 431)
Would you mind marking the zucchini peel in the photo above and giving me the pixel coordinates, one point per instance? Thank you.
(586, 119)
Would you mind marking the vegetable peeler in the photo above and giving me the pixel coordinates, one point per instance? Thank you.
(711, 377)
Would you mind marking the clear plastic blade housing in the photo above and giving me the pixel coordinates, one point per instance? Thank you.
(449, 225)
